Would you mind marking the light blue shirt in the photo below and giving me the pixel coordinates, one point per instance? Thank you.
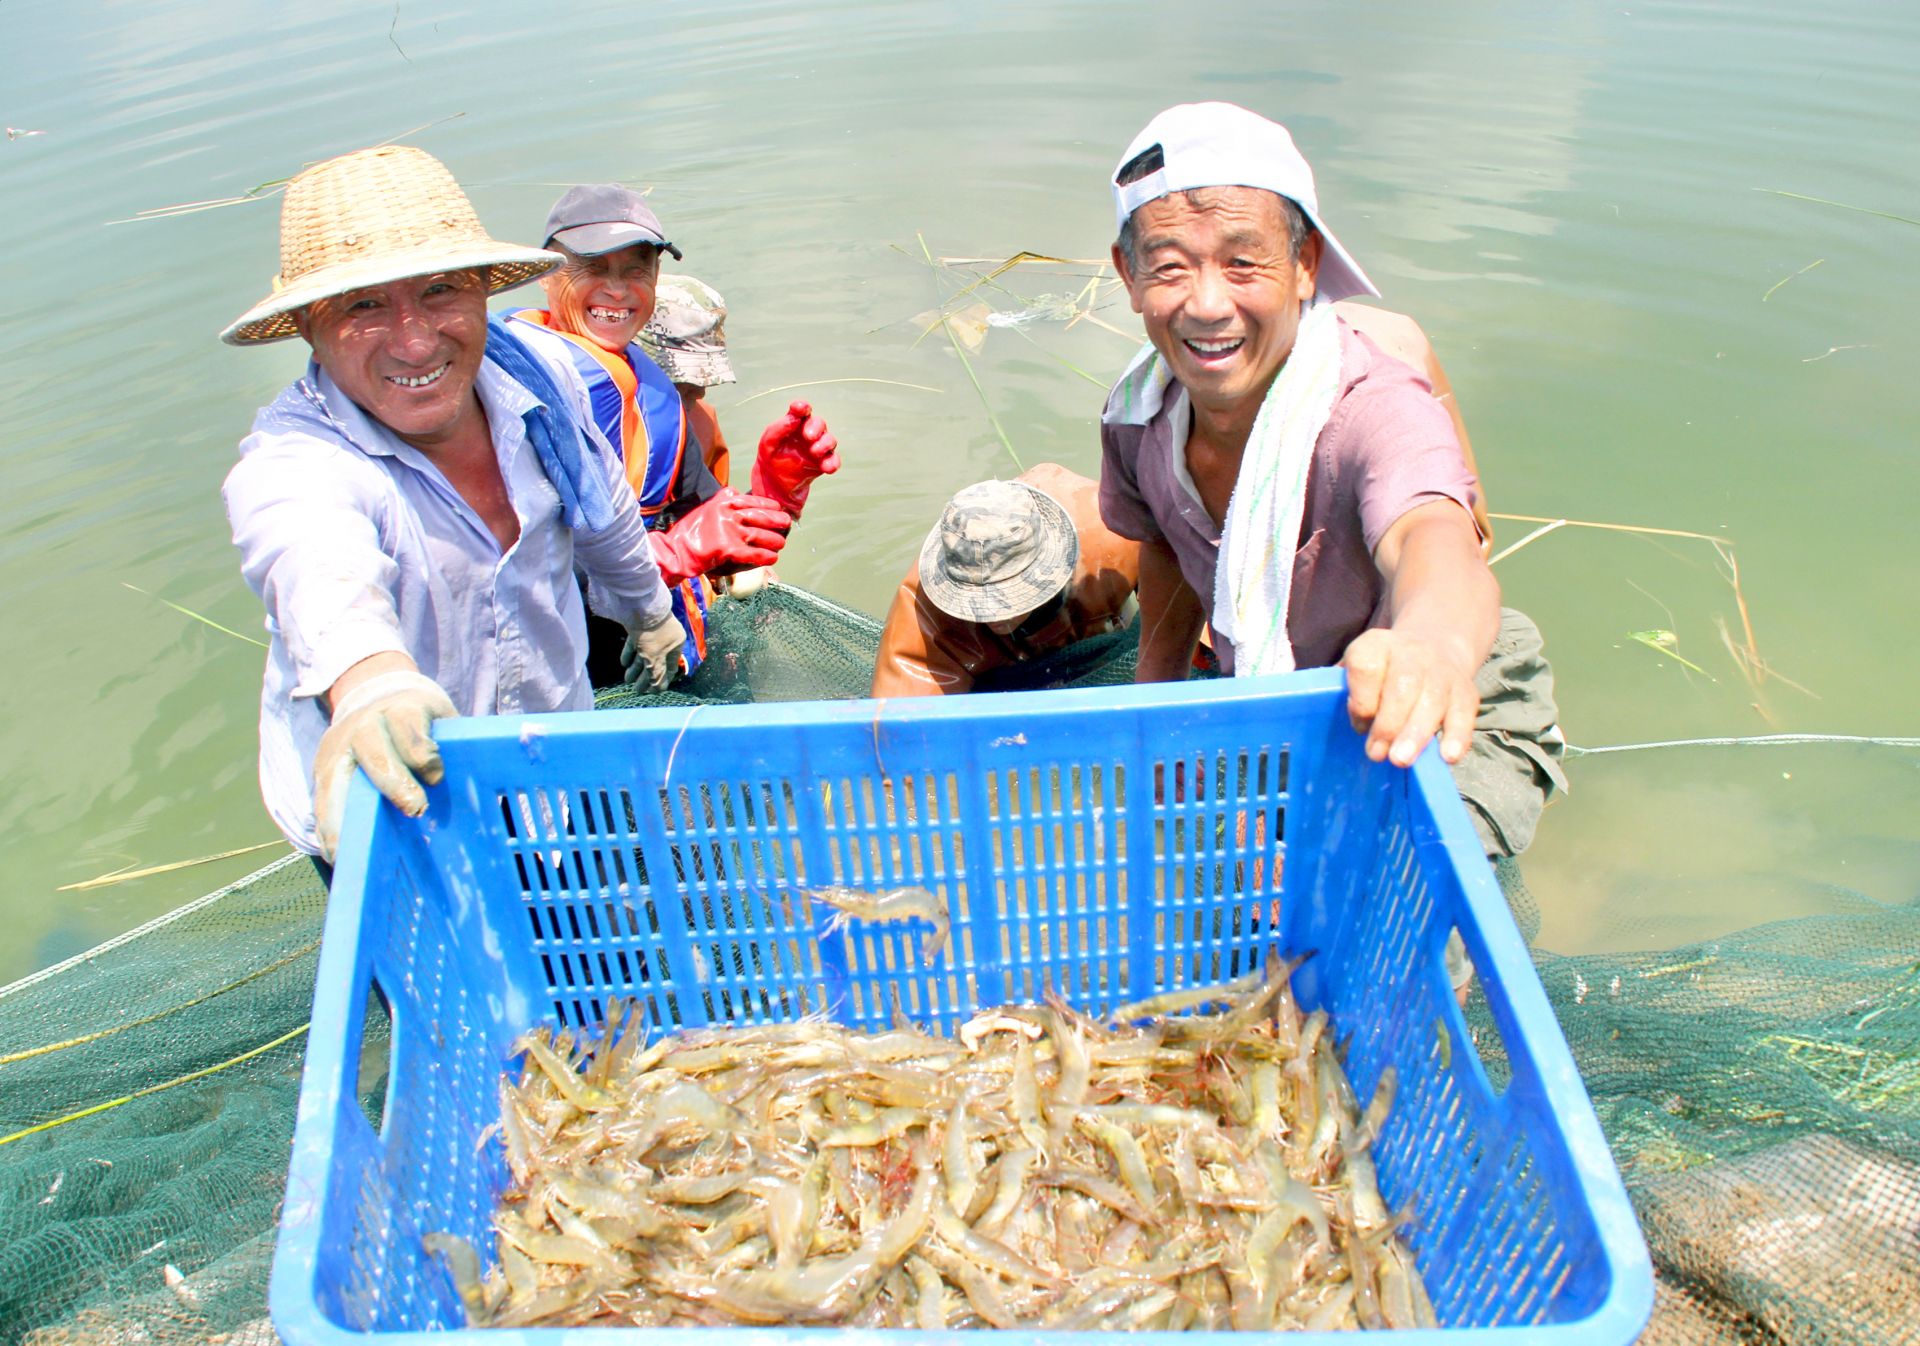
(358, 545)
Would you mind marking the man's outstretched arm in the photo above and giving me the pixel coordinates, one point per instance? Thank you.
(1170, 616)
(1414, 677)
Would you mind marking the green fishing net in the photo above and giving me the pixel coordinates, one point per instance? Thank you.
(1761, 1091)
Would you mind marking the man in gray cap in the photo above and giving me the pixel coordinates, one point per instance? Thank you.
(598, 301)
(1257, 414)
(1014, 571)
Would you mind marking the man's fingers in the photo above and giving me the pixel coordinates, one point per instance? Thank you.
(330, 803)
(413, 744)
(799, 410)
(1421, 723)
(652, 676)
(1400, 693)
(1366, 667)
(769, 518)
(380, 757)
(1456, 732)
(825, 451)
(757, 547)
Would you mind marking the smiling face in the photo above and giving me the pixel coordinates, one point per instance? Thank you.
(606, 299)
(1213, 278)
(406, 352)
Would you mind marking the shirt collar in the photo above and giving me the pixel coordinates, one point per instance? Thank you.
(1137, 396)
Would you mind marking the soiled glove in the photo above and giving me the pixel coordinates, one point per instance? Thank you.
(383, 726)
(651, 656)
(729, 532)
(793, 451)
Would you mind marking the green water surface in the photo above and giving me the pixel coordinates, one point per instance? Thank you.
(1578, 200)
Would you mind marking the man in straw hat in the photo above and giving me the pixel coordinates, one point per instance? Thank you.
(598, 301)
(1256, 417)
(1014, 571)
(411, 509)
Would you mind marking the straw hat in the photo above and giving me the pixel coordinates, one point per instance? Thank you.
(1000, 550)
(371, 217)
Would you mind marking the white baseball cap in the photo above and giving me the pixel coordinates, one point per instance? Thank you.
(1223, 145)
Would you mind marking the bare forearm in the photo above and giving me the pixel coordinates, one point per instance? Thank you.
(1445, 596)
(1415, 677)
(1170, 617)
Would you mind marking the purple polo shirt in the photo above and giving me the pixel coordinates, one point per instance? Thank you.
(1388, 446)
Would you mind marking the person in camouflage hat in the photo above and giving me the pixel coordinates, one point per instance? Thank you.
(1014, 570)
(687, 337)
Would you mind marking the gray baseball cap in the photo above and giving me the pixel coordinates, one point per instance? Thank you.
(604, 217)
(1000, 550)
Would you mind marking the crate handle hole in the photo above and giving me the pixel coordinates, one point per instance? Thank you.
(1469, 1025)
(373, 1085)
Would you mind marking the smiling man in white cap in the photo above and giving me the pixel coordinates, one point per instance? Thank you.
(410, 510)
(1295, 489)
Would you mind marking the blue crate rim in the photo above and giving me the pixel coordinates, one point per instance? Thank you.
(1307, 684)
(1618, 1318)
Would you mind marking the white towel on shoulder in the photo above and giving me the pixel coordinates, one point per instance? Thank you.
(1253, 578)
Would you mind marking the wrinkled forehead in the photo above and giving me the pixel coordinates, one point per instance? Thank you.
(1248, 213)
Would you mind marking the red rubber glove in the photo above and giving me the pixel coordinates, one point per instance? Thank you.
(729, 532)
(793, 451)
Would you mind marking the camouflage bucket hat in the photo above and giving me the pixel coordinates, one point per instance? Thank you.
(687, 334)
(1000, 550)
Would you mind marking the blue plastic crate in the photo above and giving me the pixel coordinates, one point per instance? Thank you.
(1107, 843)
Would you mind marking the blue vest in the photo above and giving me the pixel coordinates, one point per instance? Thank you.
(639, 410)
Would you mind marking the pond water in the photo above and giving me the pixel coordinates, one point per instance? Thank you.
(1585, 204)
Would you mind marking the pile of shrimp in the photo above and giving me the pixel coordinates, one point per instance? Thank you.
(1040, 1170)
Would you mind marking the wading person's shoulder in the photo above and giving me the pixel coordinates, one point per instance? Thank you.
(1389, 445)
(1055, 480)
(1385, 408)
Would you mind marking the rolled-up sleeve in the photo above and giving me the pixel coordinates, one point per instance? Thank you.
(1396, 450)
(306, 518)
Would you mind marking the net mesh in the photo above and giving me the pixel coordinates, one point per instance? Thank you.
(1761, 1091)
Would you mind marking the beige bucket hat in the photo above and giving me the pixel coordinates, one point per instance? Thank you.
(1000, 550)
(371, 217)
(687, 335)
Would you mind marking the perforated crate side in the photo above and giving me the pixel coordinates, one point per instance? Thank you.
(1102, 843)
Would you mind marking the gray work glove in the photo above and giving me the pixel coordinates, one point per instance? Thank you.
(382, 726)
(651, 656)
